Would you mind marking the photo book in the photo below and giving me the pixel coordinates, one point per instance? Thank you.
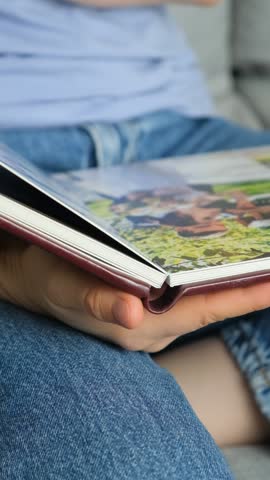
(159, 230)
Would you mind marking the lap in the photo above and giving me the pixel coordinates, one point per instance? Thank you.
(216, 134)
(53, 149)
(75, 407)
(156, 135)
(168, 134)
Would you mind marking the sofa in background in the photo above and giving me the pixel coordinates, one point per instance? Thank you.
(233, 37)
(232, 41)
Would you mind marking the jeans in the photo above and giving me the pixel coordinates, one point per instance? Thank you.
(75, 407)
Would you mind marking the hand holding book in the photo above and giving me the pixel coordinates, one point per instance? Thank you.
(40, 281)
(190, 313)
(173, 228)
(44, 283)
(171, 235)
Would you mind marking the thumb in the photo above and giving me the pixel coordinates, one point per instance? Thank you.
(73, 289)
(110, 305)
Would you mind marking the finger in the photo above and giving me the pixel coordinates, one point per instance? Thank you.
(113, 306)
(70, 288)
(193, 313)
(235, 302)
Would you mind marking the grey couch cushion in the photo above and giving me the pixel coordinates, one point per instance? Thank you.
(251, 31)
(251, 53)
(256, 88)
(210, 33)
(249, 463)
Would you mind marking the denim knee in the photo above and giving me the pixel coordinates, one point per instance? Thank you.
(73, 407)
(52, 149)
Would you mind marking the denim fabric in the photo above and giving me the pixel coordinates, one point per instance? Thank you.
(52, 149)
(74, 407)
(249, 342)
(166, 134)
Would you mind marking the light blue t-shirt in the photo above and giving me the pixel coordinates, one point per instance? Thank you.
(63, 64)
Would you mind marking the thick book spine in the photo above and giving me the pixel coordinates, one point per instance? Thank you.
(171, 295)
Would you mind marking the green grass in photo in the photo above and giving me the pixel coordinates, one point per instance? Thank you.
(249, 188)
(164, 246)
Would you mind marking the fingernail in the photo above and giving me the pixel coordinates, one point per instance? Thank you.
(120, 312)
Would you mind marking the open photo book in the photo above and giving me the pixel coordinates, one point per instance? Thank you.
(159, 230)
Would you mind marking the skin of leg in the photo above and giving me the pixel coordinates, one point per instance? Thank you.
(217, 391)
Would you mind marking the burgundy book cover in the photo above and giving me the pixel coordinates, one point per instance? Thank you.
(155, 300)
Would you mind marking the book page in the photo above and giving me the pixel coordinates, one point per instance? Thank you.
(187, 213)
(71, 190)
(63, 190)
(181, 214)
